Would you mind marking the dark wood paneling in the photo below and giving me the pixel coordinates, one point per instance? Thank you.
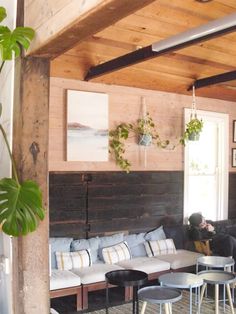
(232, 195)
(106, 202)
(67, 203)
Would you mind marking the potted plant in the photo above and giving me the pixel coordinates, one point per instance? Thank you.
(20, 202)
(144, 128)
(192, 130)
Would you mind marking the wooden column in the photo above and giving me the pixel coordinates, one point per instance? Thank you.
(30, 149)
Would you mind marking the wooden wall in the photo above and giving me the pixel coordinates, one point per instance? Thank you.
(117, 201)
(125, 106)
(85, 204)
(232, 196)
(95, 203)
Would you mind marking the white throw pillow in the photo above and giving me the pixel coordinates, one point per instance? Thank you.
(116, 253)
(70, 260)
(160, 247)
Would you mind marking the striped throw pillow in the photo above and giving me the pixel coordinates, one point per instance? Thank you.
(116, 253)
(70, 260)
(160, 247)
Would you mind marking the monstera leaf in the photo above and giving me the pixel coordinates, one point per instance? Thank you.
(13, 41)
(3, 13)
(20, 206)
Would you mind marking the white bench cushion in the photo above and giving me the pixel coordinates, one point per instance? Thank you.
(147, 264)
(95, 273)
(63, 279)
(182, 258)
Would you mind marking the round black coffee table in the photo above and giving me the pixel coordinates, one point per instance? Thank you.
(126, 278)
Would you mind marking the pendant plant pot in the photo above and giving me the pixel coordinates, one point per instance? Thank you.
(194, 136)
(145, 139)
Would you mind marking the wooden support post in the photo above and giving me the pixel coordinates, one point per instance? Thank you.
(30, 145)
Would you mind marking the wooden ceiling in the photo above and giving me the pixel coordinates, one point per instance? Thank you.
(173, 72)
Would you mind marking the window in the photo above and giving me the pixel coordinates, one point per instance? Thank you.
(206, 168)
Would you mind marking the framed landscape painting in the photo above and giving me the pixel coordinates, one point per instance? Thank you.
(87, 126)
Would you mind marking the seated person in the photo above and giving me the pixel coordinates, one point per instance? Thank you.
(221, 243)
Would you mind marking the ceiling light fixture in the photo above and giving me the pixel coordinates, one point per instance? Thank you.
(214, 27)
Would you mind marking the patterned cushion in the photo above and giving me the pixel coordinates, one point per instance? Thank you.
(71, 260)
(160, 247)
(116, 253)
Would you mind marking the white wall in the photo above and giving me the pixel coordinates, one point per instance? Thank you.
(6, 98)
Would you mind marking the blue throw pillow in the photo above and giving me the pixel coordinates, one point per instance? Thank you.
(156, 234)
(136, 244)
(58, 245)
(84, 244)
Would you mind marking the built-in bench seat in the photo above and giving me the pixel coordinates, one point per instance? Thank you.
(182, 259)
(64, 283)
(92, 278)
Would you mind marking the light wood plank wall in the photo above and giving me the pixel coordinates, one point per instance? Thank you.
(125, 106)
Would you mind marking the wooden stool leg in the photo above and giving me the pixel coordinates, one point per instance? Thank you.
(167, 308)
(230, 299)
(202, 294)
(143, 307)
(216, 299)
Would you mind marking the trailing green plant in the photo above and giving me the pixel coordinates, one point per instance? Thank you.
(21, 206)
(146, 126)
(193, 128)
(118, 136)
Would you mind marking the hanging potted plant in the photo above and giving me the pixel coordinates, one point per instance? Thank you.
(194, 127)
(144, 129)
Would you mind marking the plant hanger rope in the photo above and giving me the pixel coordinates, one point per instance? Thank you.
(193, 114)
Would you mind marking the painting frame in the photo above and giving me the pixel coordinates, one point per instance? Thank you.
(87, 126)
(234, 131)
(234, 157)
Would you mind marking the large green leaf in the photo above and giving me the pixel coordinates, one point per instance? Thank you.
(20, 206)
(13, 41)
(3, 13)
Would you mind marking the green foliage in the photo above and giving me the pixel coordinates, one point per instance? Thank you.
(117, 146)
(194, 126)
(118, 136)
(20, 206)
(3, 14)
(13, 41)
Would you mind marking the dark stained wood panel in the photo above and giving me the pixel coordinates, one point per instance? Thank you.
(98, 203)
(67, 203)
(105, 202)
(232, 195)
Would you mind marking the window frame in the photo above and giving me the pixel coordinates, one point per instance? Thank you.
(223, 159)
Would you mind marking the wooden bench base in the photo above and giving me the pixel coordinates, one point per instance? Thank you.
(69, 291)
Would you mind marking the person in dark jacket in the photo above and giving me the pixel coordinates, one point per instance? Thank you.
(221, 243)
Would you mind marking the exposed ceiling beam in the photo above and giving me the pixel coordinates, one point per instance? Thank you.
(193, 36)
(59, 27)
(215, 79)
